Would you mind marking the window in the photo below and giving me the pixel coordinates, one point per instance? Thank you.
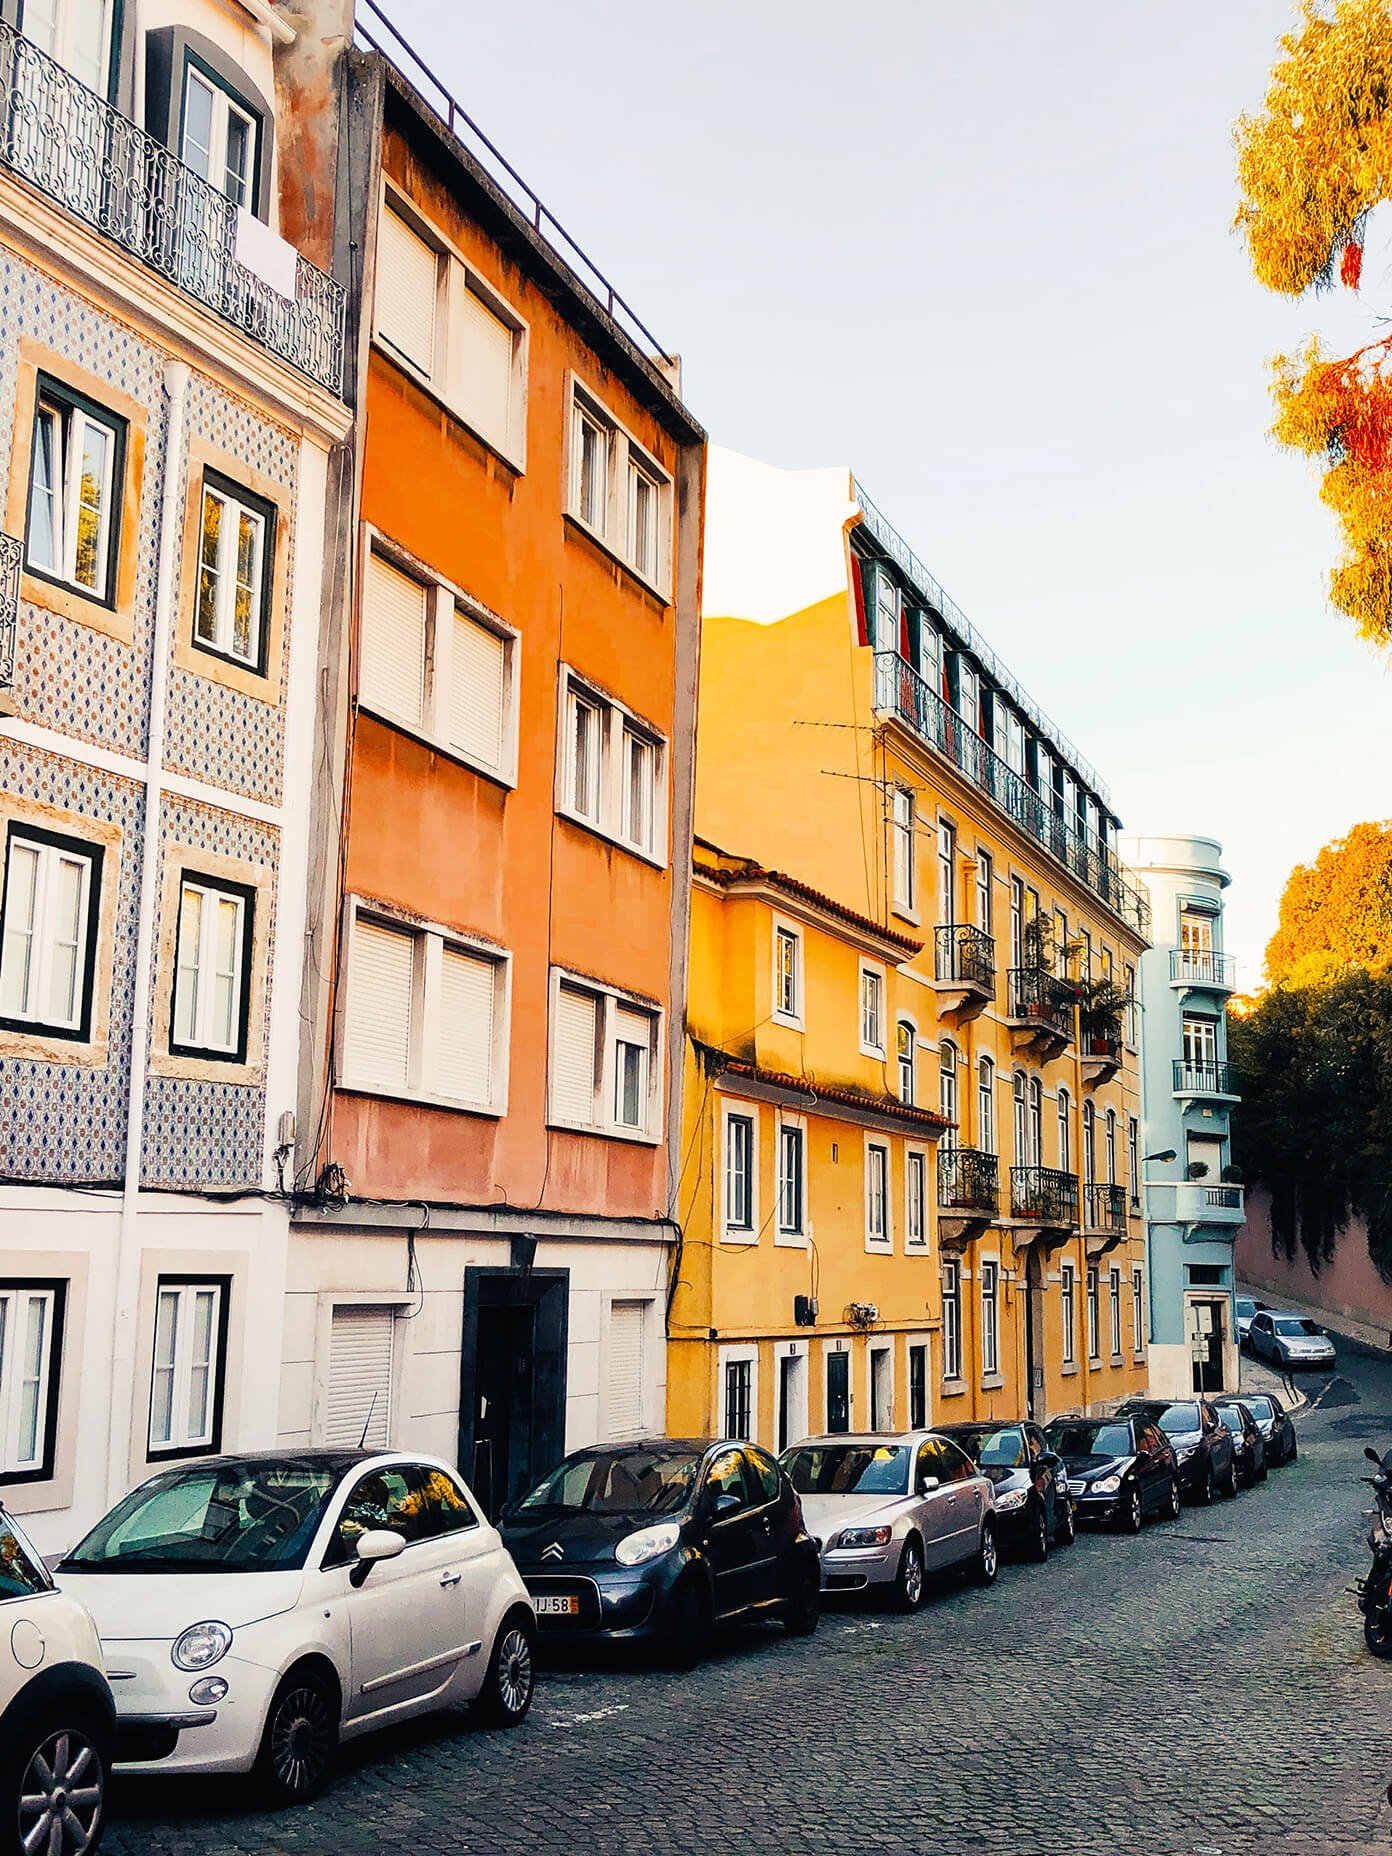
(75, 472)
(1022, 1130)
(1137, 1310)
(986, 1105)
(186, 1380)
(918, 1385)
(644, 503)
(872, 1011)
(1195, 933)
(1114, 1289)
(1065, 1132)
(31, 1320)
(947, 1090)
(1094, 1345)
(425, 1016)
(76, 34)
(432, 662)
(877, 1229)
(1017, 922)
(212, 965)
(220, 136)
(739, 1401)
(1132, 1009)
(792, 1178)
(1133, 1158)
(985, 876)
(1036, 1122)
(612, 771)
(952, 1320)
(640, 790)
(1089, 1144)
(902, 827)
(915, 1199)
(408, 292)
(618, 490)
(990, 1319)
(1110, 1146)
(591, 446)
(787, 974)
(1200, 1041)
(235, 551)
(48, 932)
(740, 1181)
(1068, 1316)
(606, 1061)
(947, 874)
(907, 1040)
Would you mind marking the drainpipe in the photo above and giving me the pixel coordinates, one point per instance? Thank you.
(124, 1320)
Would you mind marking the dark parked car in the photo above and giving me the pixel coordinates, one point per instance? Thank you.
(1119, 1469)
(1032, 1505)
(1249, 1446)
(1274, 1423)
(657, 1540)
(1201, 1440)
(1288, 1341)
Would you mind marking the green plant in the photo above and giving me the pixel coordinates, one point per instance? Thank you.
(1197, 1170)
(1102, 1005)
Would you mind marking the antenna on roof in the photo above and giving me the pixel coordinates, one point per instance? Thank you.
(368, 1419)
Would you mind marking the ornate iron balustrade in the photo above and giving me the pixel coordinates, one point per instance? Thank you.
(1201, 967)
(968, 1180)
(11, 553)
(70, 144)
(1037, 994)
(1044, 1195)
(964, 953)
(1204, 1079)
(901, 691)
(1105, 1208)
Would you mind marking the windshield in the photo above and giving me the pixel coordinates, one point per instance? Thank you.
(1298, 1326)
(1176, 1420)
(994, 1449)
(1245, 1305)
(645, 1480)
(1231, 1417)
(221, 1517)
(1260, 1406)
(1090, 1439)
(849, 1469)
(22, 1573)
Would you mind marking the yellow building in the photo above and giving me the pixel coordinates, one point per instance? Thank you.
(806, 1293)
(854, 730)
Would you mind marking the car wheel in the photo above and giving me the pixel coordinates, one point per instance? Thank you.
(1291, 1453)
(688, 1625)
(1229, 1484)
(908, 1581)
(1262, 1472)
(986, 1563)
(508, 1687)
(802, 1612)
(1203, 1495)
(1039, 1536)
(1133, 1516)
(301, 1735)
(54, 1785)
(1068, 1527)
(1172, 1506)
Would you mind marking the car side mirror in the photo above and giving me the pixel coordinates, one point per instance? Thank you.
(926, 1484)
(1373, 1456)
(724, 1504)
(378, 1543)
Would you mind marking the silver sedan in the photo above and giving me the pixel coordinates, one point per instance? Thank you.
(889, 1509)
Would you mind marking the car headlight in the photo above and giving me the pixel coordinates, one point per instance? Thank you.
(647, 1543)
(1185, 1454)
(201, 1645)
(864, 1537)
(1015, 1498)
(1107, 1486)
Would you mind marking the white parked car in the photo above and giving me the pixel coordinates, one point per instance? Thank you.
(255, 1609)
(57, 1723)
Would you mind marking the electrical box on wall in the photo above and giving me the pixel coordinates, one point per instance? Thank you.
(805, 1311)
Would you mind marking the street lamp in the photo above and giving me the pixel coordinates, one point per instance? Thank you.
(1165, 1153)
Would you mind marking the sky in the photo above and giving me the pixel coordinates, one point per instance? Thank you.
(983, 254)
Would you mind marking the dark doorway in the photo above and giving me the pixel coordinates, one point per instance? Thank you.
(512, 1392)
(1206, 1344)
(838, 1372)
(1034, 1334)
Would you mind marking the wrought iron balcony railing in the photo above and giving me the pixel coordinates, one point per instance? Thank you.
(1104, 1208)
(899, 690)
(966, 954)
(1204, 1079)
(1041, 997)
(1044, 1195)
(968, 1180)
(73, 146)
(1202, 967)
(11, 552)
(1223, 1198)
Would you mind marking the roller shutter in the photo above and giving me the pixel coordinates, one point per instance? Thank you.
(625, 1375)
(573, 1056)
(408, 274)
(360, 1371)
(482, 367)
(476, 695)
(392, 673)
(377, 1029)
(468, 988)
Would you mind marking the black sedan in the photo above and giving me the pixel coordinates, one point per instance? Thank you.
(654, 1541)
(1202, 1442)
(1274, 1423)
(1249, 1446)
(1119, 1469)
(1033, 1508)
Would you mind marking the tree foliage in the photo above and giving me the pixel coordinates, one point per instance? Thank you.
(1336, 913)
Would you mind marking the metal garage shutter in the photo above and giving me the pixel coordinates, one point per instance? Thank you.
(360, 1367)
(476, 693)
(468, 987)
(377, 1028)
(573, 1056)
(482, 367)
(391, 676)
(626, 1322)
(408, 274)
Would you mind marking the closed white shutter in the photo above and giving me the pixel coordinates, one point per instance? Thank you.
(482, 367)
(476, 694)
(625, 1375)
(632, 1027)
(573, 1056)
(360, 1369)
(468, 987)
(377, 1029)
(392, 677)
(408, 274)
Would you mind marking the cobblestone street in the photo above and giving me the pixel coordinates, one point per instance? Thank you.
(1203, 1688)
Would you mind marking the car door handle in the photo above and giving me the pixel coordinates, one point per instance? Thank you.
(450, 1578)
(951, 1498)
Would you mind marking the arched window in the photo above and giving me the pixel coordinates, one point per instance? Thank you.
(1111, 1147)
(906, 1039)
(947, 1088)
(1065, 1132)
(1089, 1145)
(1036, 1121)
(1021, 1119)
(986, 1106)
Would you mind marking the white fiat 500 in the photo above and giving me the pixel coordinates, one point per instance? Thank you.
(255, 1609)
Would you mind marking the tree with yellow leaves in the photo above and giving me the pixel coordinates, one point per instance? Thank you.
(1310, 168)
(1336, 913)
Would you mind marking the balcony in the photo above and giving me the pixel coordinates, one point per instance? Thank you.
(1195, 1203)
(95, 163)
(1201, 970)
(968, 1194)
(1213, 1082)
(1039, 1010)
(1101, 1058)
(1104, 1218)
(964, 969)
(901, 692)
(1044, 1197)
(11, 552)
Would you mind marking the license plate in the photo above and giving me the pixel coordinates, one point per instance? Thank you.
(557, 1607)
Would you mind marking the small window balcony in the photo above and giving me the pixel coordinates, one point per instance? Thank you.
(1039, 1010)
(1104, 1217)
(1101, 1057)
(1201, 970)
(968, 1194)
(1045, 1197)
(964, 968)
(1205, 1081)
(1197, 1203)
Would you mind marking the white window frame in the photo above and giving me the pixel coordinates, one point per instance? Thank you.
(18, 1297)
(69, 421)
(1138, 1322)
(1068, 1313)
(985, 902)
(792, 1236)
(732, 1231)
(201, 1041)
(882, 1239)
(906, 1062)
(625, 458)
(429, 941)
(444, 601)
(989, 1278)
(234, 511)
(224, 107)
(63, 49)
(1133, 1160)
(923, 1343)
(738, 1354)
(787, 931)
(1114, 1309)
(183, 1437)
(32, 1013)
(952, 1322)
(879, 1346)
(1093, 1290)
(616, 726)
(609, 1001)
(903, 846)
(987, 1133)
(917, 1164)
(873, 971)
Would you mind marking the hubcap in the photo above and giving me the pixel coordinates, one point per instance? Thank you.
(60, 1801)
(988, 1555)
(1135, 1508)
(301, 1739)
(514, 1671)
(913, 1575)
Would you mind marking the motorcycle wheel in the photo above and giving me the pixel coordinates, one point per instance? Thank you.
(1377, 1632)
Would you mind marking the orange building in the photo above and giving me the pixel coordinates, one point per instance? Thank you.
(485, 1268)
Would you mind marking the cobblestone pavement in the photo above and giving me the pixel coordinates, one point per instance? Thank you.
(1201, 1689)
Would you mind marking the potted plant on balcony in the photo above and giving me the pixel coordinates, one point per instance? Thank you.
(1197, 1169)
(1102, 1006)
(1231, 1175)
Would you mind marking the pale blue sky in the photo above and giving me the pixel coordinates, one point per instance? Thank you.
(982, 253)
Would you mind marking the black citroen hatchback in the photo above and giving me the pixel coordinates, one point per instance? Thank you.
(658, 1539)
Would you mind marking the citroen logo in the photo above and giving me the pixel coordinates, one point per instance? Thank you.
(553, 1552)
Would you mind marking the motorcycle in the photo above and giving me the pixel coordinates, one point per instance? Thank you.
(1375, 1592)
